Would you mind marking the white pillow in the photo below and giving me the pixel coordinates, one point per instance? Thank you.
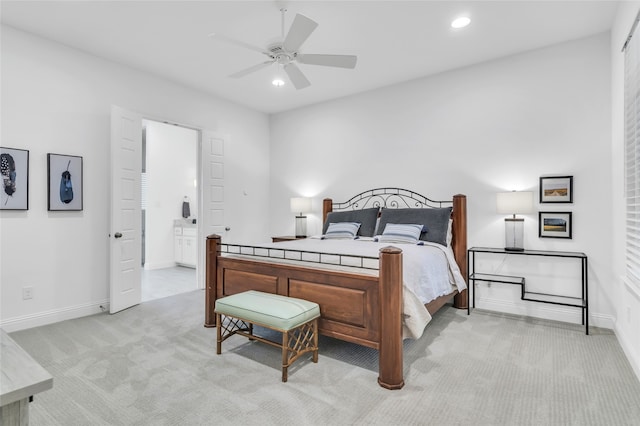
(401, 233)
(342, 231)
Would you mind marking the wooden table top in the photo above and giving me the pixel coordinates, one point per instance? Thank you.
(21, 376)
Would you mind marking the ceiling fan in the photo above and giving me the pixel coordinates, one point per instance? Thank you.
(287, 52)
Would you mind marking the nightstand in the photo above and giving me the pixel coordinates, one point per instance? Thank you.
(286, 238)
(581, 302)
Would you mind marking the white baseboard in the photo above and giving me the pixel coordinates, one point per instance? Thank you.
(629, 351)
(545, 311)
(630, 343)
(56, 315)
(602, 320)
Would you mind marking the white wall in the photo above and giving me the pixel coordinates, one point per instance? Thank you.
(479, 130)
(172, 158)
(57, 99)
(627, 300)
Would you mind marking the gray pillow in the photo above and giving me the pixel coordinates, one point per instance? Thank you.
(366, 218)
(435, 221)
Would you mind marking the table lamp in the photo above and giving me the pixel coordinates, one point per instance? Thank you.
(514, 202)
(301, 205)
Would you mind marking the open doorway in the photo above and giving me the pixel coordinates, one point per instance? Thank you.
(169, 209)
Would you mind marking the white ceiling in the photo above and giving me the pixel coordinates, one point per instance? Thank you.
(395, 41)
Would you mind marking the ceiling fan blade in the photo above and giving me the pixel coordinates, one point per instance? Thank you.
(342, 61)
(298, 79)
(300, 30)
(238, 43)
(251, 69)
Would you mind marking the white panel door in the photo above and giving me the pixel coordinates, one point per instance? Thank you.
(126, 218)
(212, 192)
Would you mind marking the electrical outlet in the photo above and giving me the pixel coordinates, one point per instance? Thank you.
(27, 293)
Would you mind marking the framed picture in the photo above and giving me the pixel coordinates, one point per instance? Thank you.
(555, 225)
(556, 189)
(64, 179)
(14, 169)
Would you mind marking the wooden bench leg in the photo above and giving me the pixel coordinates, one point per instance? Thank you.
(315, 340)
(285, 355)
(218, 334)
(251, 331)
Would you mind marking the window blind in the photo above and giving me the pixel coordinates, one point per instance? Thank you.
(143, 191)
(632, 155)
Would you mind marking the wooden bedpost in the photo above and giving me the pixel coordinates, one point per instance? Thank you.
(327, 207)
(210, 280)
(459, 244)
(390, 347)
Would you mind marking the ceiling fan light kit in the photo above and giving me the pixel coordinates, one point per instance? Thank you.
(287, 53)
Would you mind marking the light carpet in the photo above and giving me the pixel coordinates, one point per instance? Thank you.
(155, 364)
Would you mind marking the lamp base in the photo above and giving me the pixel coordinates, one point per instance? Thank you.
(301, 226)
(513, 249)
(514, 234)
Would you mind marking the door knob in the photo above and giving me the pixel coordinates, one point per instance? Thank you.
(118, 235)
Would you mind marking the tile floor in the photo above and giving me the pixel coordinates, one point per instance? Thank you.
(159, 283)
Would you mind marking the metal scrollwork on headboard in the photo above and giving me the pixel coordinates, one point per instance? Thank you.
(394, 198)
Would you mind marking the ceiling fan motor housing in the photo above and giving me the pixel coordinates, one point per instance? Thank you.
(280, 55)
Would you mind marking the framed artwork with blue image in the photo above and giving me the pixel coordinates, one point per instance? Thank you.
(64, 179)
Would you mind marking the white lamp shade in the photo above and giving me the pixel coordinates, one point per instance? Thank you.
(514, 202)
(300, 205)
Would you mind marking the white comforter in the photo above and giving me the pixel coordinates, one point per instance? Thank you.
(429, 271)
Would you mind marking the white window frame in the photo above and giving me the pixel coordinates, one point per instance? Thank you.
(631, 51)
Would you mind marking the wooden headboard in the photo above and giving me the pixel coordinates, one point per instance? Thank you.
(402, 198)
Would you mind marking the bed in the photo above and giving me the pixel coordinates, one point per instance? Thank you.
(362, 296)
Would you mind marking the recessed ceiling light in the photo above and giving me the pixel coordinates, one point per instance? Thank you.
(278, 82)
(460, 22)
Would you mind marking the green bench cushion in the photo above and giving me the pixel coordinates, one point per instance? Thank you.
(270, 310)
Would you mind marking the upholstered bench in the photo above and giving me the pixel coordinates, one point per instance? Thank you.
(296, 319)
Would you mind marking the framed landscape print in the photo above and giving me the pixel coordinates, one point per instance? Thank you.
(556, 189)
(64, 182)
(14, 170)
(555, 224)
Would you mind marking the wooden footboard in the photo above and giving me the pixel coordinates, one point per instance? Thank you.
(358, 308)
